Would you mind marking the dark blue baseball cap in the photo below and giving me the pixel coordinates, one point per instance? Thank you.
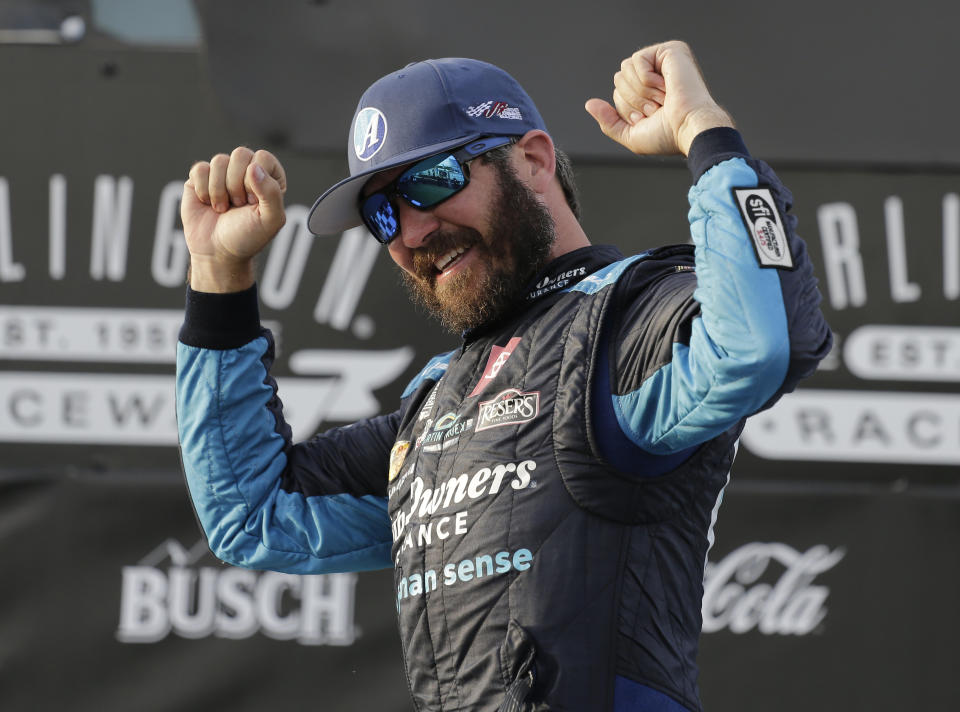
(425, 108)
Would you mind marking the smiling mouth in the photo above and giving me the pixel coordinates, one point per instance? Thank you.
(446, 261)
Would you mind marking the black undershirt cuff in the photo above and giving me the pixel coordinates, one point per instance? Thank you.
(221, 321)
(713, 146)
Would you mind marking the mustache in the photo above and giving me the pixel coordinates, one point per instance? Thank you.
(439, 244)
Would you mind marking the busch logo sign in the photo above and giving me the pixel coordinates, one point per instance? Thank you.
(734, 597)
(230, 602)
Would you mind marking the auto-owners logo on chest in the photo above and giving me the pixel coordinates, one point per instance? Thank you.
(763, 223)
(508, 407)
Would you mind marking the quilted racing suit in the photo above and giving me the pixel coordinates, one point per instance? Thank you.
(546, 492)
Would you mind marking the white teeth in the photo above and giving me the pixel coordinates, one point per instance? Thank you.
(443, 262)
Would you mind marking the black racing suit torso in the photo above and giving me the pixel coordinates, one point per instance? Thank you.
(546, 492)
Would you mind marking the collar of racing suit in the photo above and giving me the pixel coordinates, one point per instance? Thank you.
(558, 275)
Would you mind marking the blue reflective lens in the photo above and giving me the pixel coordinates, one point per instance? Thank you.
(380, 217)
(423, 185)
(431, 181)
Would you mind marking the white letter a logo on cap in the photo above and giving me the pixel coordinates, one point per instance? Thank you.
(372, 136)
(369, 133)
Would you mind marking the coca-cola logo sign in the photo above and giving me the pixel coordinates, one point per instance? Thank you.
(768, 587)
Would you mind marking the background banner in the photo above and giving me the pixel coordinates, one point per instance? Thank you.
(833, 582)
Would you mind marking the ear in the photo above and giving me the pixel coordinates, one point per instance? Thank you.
(538, 159)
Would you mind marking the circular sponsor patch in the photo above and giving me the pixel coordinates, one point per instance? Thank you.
(369, 133)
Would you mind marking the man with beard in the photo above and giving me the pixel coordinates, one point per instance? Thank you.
(521, 237)
(546, 492)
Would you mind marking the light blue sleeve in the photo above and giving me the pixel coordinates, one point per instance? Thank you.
(262, 501)
(738, 349)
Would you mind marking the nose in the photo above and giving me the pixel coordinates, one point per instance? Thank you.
(415, 225)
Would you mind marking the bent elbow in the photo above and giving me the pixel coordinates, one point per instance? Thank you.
(760, 373)
(229, 543)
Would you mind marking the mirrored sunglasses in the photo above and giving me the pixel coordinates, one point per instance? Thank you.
(423, 185)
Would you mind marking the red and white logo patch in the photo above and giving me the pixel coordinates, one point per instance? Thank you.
(498, 357)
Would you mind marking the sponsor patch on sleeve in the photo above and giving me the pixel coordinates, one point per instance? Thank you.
(765, 226)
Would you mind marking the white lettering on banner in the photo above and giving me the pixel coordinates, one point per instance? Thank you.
(112, 204)
(901, 288)
(88, 334)
(229, 602)
(168, 264)
(139, 409)
(951, 246)
(87, 408)
(356, 253)
(10, 270)
(843, 263)
(286, 260)
(908, 353)
(840, 241)
(58, 226)
(858, 426)
(122, 409)
(345, 282)
(734, 597)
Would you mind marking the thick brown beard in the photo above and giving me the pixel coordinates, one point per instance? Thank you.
(522, 234)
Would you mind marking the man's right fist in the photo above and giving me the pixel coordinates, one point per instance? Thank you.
(232, 207)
